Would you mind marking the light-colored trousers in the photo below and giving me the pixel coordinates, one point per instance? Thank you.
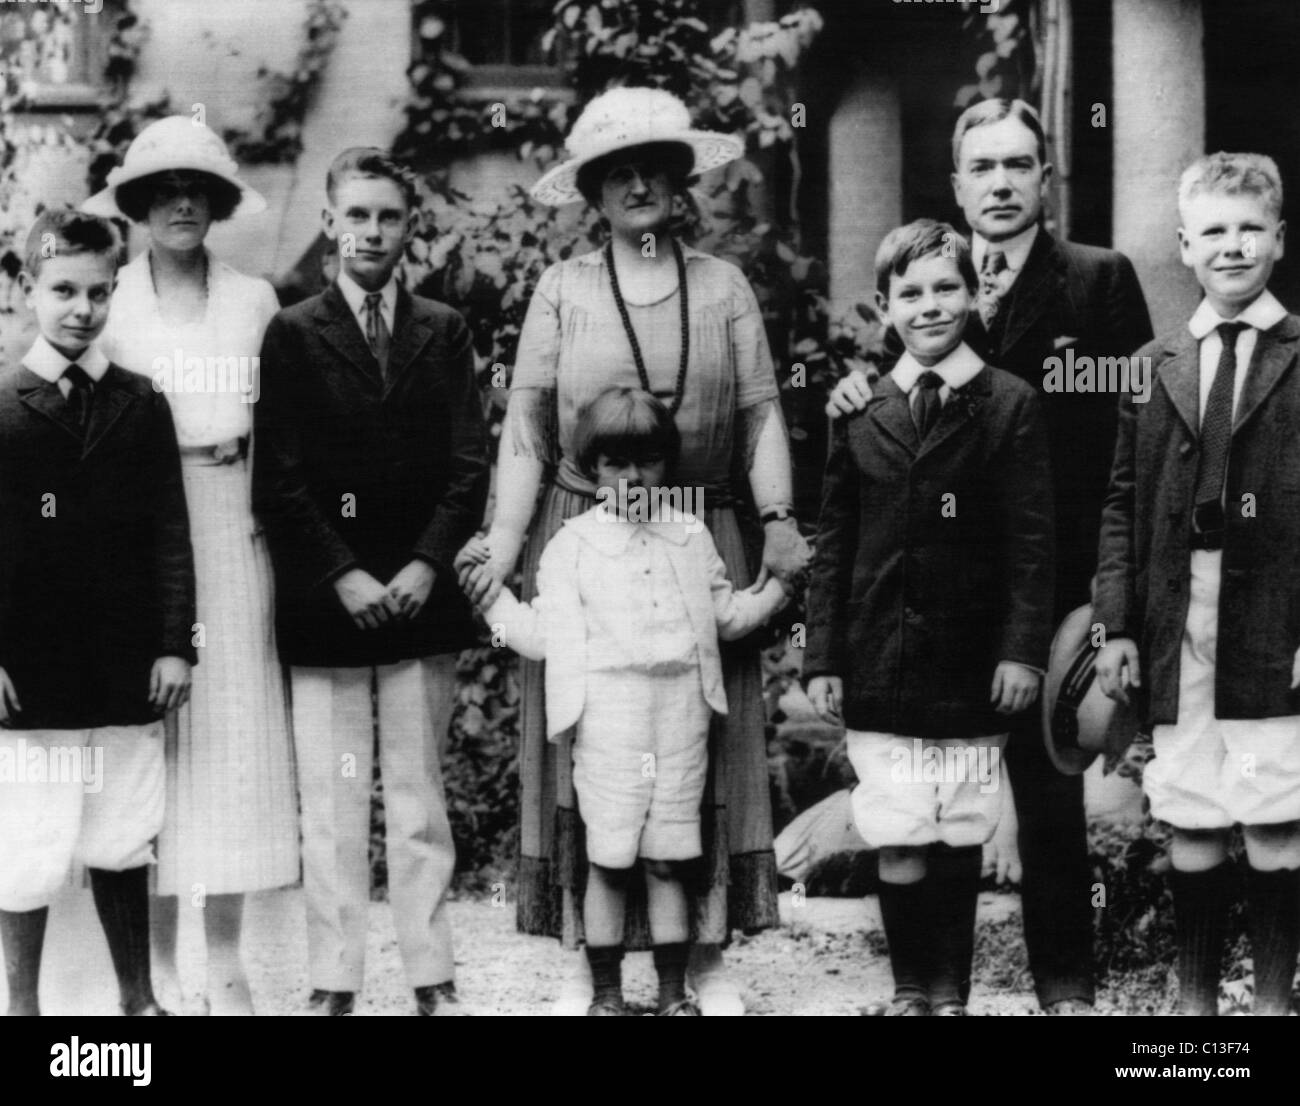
(334, 739)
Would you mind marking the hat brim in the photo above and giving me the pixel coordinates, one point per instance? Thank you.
(104, 202)
(559, 185)
(1104, 726)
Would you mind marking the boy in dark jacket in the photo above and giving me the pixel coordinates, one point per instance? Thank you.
(370, 472)
(96, 613)
(930, 610)
(1199, 582)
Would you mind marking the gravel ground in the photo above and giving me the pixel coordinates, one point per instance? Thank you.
(828, 959)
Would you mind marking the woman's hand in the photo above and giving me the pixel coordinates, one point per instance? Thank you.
(481, 574)
(409, 589)
(785, 553)
(365, 599)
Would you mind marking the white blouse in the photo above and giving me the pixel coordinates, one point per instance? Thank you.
(209, 367)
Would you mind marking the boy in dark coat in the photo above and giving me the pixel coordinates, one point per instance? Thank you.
(1200, 548)
(96, 613)
(930, 609)
(370, 472)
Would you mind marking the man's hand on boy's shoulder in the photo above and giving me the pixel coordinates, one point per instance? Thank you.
(9, 704)
(169, 683)
(1015, 687)
(409, 589)
(850, 395)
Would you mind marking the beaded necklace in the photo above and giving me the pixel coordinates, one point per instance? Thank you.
(680, 388)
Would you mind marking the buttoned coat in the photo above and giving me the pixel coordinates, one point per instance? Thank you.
(355, 469)
(96, 568)
(553, 627)
(1144, 575)
(1086, 299)
(934, 559)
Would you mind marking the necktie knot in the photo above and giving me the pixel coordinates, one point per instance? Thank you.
(1229, 333)
(77, 376)
(995, 263)
(930, 379)
(373, 300)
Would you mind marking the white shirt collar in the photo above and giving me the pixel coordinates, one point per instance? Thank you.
(960, 367)
(1016, 248)
(49, 364)
(356, 297)
(1263, 313)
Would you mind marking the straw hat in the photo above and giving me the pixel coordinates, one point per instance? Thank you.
(177, 142)
(624, 117)
(1079, 720)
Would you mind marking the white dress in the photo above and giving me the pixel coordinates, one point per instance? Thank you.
(232, 821)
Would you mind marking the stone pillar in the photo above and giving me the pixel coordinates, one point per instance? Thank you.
(1158, 116)
(866, 184)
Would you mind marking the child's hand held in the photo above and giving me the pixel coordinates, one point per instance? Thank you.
(169, 683)
(1118, 668)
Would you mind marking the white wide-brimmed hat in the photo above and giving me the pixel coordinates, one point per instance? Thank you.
(624, 117)
(1079, 721)
(177, 142)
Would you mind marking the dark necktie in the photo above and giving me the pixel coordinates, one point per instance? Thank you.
(1216, 433)
(926, 408)
(990, 292)
(377, 333)
(80, 395)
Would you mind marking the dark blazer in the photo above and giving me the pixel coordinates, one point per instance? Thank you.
(1144, 572)
(914, 609)
(1091, 297)
(97, 582)
(409, 454)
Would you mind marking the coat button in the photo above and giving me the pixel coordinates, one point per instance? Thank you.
(1185, 448)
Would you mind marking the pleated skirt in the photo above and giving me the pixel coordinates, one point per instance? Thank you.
(734, 885)
(232, 817)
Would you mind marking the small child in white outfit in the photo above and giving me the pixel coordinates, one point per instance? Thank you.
(632, 599)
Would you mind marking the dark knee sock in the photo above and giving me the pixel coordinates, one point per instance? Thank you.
(22, 934)
(953, 879)
(904, 910)
(1201, 902)
(1273, 912)
(670, 964)
(122, 900)
(606, 971)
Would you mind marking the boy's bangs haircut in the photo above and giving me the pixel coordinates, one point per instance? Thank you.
(922, 238)
(135, 198)
(371, 161)
(994, 111)
(626, 423)
(676, 159)
(64, 230)
(1233, 175)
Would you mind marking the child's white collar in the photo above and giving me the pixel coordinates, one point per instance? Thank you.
(960, 367)
(49, 364)
(1264, 313)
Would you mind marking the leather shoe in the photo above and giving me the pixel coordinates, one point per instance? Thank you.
(330, 1004)
(438, 1000)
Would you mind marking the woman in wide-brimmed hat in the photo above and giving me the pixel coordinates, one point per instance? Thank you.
(194, 325)
(646, 311)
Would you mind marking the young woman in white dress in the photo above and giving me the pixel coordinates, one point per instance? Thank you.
(195, 326)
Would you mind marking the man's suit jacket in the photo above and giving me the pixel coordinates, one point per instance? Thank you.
(1085, 298)
(916, 598)
(96, 569)
(353, 469)
(1143, 578)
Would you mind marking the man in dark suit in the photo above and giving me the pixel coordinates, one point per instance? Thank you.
(370, 472)
(1041, 297)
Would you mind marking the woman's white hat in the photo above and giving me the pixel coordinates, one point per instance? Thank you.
(624, 117)
(177, 142)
